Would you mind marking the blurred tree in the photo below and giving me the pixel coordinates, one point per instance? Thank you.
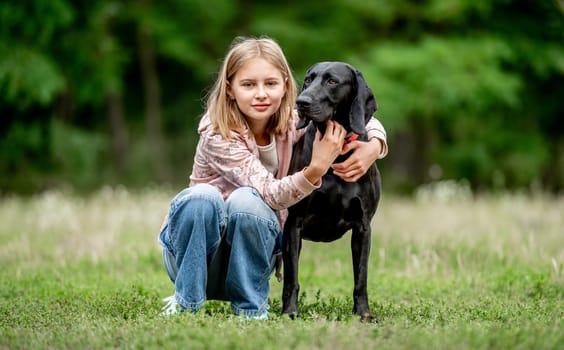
(30, 82)
(28, 30)
(168, 35)
(94, 67)
(465, 95)
(466, 89)
(152, 93)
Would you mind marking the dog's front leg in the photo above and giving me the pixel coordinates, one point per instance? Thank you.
(360, 245)
(291, 245)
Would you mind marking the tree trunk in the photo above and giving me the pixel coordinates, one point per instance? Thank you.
(411, 158)
(152, 91)
(118, 130)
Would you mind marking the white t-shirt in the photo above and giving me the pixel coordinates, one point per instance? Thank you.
(268, 156)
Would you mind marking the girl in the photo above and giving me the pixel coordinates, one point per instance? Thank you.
(222, 235)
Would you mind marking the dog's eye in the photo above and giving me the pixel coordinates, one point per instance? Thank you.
(332, 81)
(307, 81)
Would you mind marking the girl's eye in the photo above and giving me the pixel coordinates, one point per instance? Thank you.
(332, 82)
(246, 84)
(272, 83)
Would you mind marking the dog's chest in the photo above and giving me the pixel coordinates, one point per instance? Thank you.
(337, 192)
(334, 206)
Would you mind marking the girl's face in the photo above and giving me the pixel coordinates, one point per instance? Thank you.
(258, 88)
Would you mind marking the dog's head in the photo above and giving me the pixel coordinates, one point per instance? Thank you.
(338, 91)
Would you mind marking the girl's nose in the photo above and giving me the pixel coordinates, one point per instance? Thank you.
(261, 92)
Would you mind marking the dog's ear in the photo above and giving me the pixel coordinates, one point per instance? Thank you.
(363, 105)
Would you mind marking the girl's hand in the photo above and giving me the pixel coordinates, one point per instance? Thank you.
(357, 164)
(325, 150)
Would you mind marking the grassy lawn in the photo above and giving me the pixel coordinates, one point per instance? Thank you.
(446, 272)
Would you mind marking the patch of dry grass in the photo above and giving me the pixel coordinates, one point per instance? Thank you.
(511, 228)
(431, 233)
(59, 228)
(445, 232)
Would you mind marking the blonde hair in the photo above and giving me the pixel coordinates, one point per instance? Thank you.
(224, 114)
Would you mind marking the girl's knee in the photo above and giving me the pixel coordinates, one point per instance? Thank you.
(252, 215)
(202, 202)
(247, 200)
(205, 191)
(201, 192)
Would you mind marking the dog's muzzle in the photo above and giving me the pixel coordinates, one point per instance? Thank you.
(309, 110)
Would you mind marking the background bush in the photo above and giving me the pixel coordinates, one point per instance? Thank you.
(110, 92)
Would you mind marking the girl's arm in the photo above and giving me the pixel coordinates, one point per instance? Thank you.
(364, 153)
(238, 165)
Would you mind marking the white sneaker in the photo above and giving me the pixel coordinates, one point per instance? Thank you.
(263, 316)
(172, 307)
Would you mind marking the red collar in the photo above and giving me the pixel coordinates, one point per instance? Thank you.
(350, 138)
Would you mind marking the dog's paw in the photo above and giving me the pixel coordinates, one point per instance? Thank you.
(368, 318)
(292, 314)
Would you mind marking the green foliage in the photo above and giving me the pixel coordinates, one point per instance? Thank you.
(466, 89)
(21, 69)
(20, 141)
(34, 22)
(471, 109)
(440, 77)
(23, 158)
(73, 156)
(95, 59)
(78, 154)
(29, 74)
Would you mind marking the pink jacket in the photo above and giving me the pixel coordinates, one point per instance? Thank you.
(229, 164)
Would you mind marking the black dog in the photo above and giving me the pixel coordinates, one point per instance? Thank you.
(332, 90)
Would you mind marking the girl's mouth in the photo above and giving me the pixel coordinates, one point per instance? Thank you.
(261, 107)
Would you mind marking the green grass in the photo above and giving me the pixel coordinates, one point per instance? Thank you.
(445, 272)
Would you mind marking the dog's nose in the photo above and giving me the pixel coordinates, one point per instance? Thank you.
(303, 101)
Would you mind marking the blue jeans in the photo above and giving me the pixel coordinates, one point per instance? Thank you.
(216, 249)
